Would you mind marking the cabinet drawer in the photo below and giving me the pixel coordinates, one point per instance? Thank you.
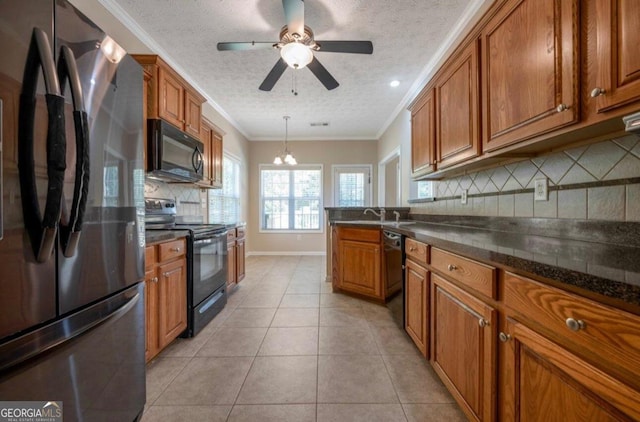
(240, 231)
(418, 251)
(361, 235)
(231, 235)
(171, 250)
(598, 331)
(475, 275)
(149, 257)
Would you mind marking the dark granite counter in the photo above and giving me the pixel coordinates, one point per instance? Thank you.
(158, 236)
(606, 271)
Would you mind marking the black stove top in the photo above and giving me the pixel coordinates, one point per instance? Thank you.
(160, 214)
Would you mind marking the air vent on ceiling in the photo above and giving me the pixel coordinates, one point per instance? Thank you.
(318, 124)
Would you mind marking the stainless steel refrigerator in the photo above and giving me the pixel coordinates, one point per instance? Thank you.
(72, 215)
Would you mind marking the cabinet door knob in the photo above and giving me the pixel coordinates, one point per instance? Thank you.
(174, 249)
(411, 249)
(165, 274)
(483, 322)
(562, 107)
(451, 267)
(504, 337)
(596, 92)
(575, 324)
(154, 280)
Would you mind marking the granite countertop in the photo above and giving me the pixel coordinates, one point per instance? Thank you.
(611, 271)
(157, 236)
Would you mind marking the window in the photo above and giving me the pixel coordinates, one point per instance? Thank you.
(422, 190)
(290, 199)
(351, 186)
(224, 204)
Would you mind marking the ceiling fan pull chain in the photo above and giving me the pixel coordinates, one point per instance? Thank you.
(294, 84)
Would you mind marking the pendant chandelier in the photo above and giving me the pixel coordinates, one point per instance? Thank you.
(285, 157)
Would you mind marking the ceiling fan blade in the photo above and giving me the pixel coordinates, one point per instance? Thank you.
(294, 14)
(273, 76)
(359, 47)
(251, 45)
(322, 74)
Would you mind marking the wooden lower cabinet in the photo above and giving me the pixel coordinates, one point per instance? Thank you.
(235, 256)
(165, 296)
(360, 267)
(463, 343)
(240, 254)
(546, 382)
(416, 294)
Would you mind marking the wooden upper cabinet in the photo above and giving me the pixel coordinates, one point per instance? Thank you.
(192, 114)
(457, 110)
(213, 150)
(216, 159)
(171, 107)
(423, 135)
(617, 62)
(530, 70)
(170, 97)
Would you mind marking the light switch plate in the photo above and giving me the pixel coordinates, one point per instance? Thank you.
(463, 196)
(540, 191)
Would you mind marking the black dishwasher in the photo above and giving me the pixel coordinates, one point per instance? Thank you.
(394, 273)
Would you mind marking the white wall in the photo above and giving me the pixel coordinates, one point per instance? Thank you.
(399, 135)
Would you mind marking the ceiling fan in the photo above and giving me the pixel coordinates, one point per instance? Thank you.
(296, 47)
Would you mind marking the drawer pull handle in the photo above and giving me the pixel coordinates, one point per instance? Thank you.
(174, 249)
(451, 267)
(165, 274)
(596, 92)
(154, 280)
(483, 322)
(575, 324)
(504, 337)
(411, 249)
(562, 107)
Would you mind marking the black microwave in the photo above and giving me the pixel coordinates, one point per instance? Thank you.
(172, 153)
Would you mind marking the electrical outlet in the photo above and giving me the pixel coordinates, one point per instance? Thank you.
(540, 192)
(463, 196)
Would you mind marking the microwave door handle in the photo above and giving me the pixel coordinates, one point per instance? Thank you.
(197, 159)
(70, 230)
(41, 229)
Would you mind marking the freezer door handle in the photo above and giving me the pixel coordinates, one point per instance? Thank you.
(41, 229)
(71, 224)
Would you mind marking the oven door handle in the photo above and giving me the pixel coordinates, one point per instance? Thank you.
(210, 238)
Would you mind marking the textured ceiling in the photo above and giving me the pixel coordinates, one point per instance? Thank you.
(406, 36)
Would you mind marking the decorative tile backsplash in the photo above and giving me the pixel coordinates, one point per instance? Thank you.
(599, 182)
(187, 197)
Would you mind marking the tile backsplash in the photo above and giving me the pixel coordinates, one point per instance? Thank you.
(189, 199)
(596, 182)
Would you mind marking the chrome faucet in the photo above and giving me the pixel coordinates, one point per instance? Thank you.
(381, 214)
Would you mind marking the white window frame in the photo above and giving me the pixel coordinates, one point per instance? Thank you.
(320, 198)
(216, 193)
(335, 168)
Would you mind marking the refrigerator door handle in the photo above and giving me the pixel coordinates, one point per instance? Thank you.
(70, 229)
(41, 229)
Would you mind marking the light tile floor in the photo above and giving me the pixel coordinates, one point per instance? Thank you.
(285, 348)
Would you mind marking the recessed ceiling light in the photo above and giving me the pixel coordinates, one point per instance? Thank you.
(394, 84)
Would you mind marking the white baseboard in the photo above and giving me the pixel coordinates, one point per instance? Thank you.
(287, 253)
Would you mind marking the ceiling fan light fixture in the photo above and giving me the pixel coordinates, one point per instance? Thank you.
(297, 55)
